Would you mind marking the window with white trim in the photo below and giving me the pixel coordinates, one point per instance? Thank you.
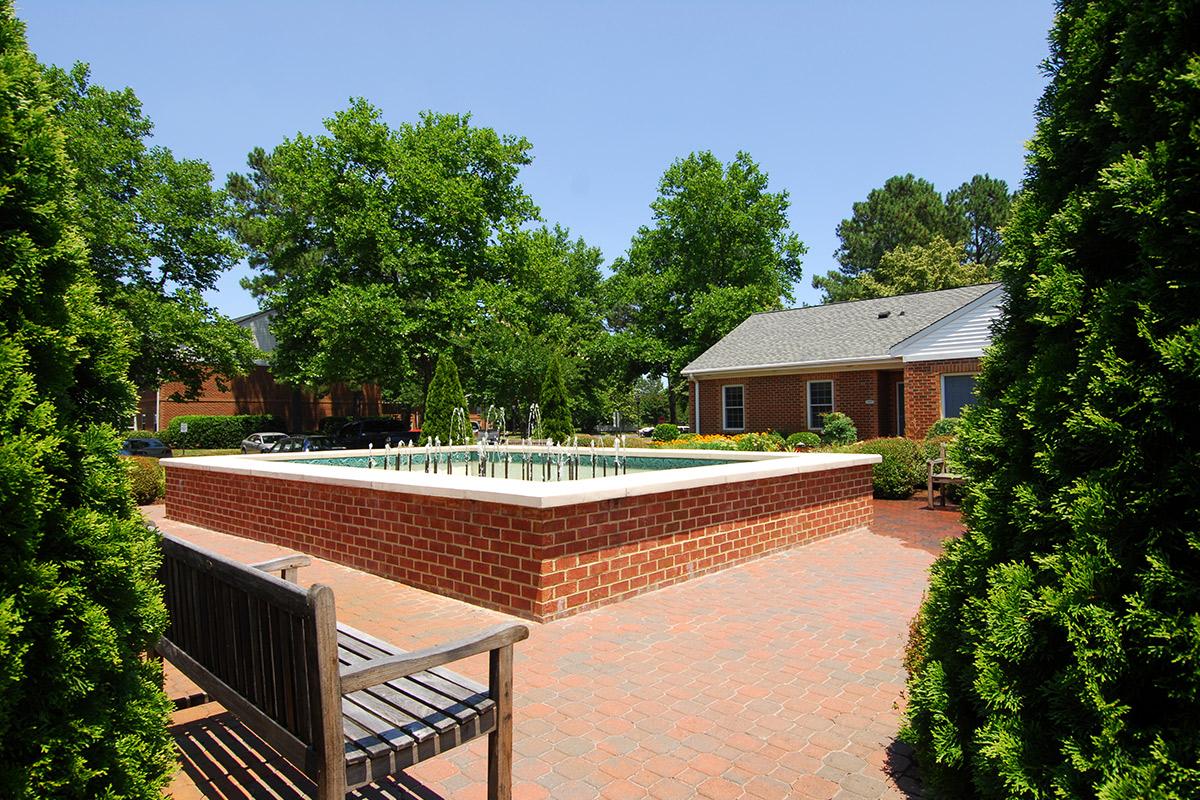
(958, 392)
(733, 407)
(820, 403)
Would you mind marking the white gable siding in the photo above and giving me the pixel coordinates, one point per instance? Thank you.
(963, 334)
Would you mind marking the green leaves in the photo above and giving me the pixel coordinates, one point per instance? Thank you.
(1057, 650)
(405, 221)
(719, 250)
(905, 238)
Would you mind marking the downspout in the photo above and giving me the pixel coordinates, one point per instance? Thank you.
(697, 406)
(158, 408)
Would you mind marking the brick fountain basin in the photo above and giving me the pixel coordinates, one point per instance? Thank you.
(539, 550)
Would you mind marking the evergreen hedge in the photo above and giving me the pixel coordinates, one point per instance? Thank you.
(444, 396)
(223, 432)
(1058, 652)
(665, 432)
(903, 467)
(554, 404)
(82, 714)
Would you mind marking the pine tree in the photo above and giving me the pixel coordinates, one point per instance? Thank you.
(82, 713)
(1058, 653)
(554, 403)
(445, 395)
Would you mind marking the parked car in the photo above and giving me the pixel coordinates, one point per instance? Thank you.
(648, 431)
(144, 447)
(261, 442)
(304, 444)
(359, 434)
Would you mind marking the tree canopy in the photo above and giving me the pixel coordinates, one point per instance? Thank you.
(1056, 653)
(155, 235)
(82, 714)
(719, 249)
(908, 219)
(387, 233)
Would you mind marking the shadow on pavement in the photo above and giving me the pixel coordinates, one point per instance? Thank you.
(226, 761)
(901, 765)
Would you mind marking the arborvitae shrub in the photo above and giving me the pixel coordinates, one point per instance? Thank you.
(147, 482)
(838, 429)
(1059, 654)
(82, 714)
(555, 405)
(666, 432)
(901, 470)
(445, 395)
(219, 432)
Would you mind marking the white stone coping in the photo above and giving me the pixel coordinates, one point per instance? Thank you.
(531, 494)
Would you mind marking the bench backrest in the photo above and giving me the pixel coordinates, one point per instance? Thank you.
(256, 635)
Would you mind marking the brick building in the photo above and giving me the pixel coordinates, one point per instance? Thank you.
(259, 393)
(894, 365)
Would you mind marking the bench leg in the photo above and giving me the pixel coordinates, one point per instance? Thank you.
(500, 741)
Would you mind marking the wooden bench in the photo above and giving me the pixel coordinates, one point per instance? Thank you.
(344, 707)
(939, 479)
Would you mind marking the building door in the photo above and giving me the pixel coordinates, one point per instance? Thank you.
(900, 408)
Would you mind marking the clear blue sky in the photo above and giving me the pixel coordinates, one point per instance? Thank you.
(830, 98)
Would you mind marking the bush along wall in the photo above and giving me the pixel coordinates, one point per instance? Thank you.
(212, 432)
(903, 467)
(1059, 646)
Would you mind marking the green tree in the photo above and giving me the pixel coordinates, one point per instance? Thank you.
(81, 711)
(391, 230)
(546, 300)
(719, 250)
(154, 229)
(946, 242)
(981, 207)
(445, 406)
(554, 403)
(915, 268)
(1057, 650)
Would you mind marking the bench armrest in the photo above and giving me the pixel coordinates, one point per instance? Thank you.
(381, 670)
(286, 566)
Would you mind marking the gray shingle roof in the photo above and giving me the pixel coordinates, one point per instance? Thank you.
(833, 332)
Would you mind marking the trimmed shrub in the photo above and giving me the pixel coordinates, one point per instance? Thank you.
(82, 712)
(555, 405)
(445, 396)
(903, 467)
(1059, 640)
(147, 480)
(839, 429)
(216, 432)
(803, 439)
(666, 432)
(944, 427)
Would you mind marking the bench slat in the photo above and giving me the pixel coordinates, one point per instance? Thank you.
(445, 695)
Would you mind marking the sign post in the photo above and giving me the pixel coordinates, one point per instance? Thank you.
(183, 437)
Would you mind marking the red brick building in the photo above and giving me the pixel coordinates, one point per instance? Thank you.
(894, 365)
(259, 393)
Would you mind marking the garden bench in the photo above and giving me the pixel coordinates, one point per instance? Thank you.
(939, 479)
(344, 707)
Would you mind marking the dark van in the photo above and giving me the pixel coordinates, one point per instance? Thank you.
(361, 433)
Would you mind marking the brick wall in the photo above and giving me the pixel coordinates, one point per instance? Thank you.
(780, 402)
(258, 393)
(923, 391)
(537, 563)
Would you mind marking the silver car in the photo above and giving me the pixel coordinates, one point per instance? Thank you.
(261, 442)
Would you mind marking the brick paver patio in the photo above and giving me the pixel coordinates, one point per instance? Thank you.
(778, 678)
